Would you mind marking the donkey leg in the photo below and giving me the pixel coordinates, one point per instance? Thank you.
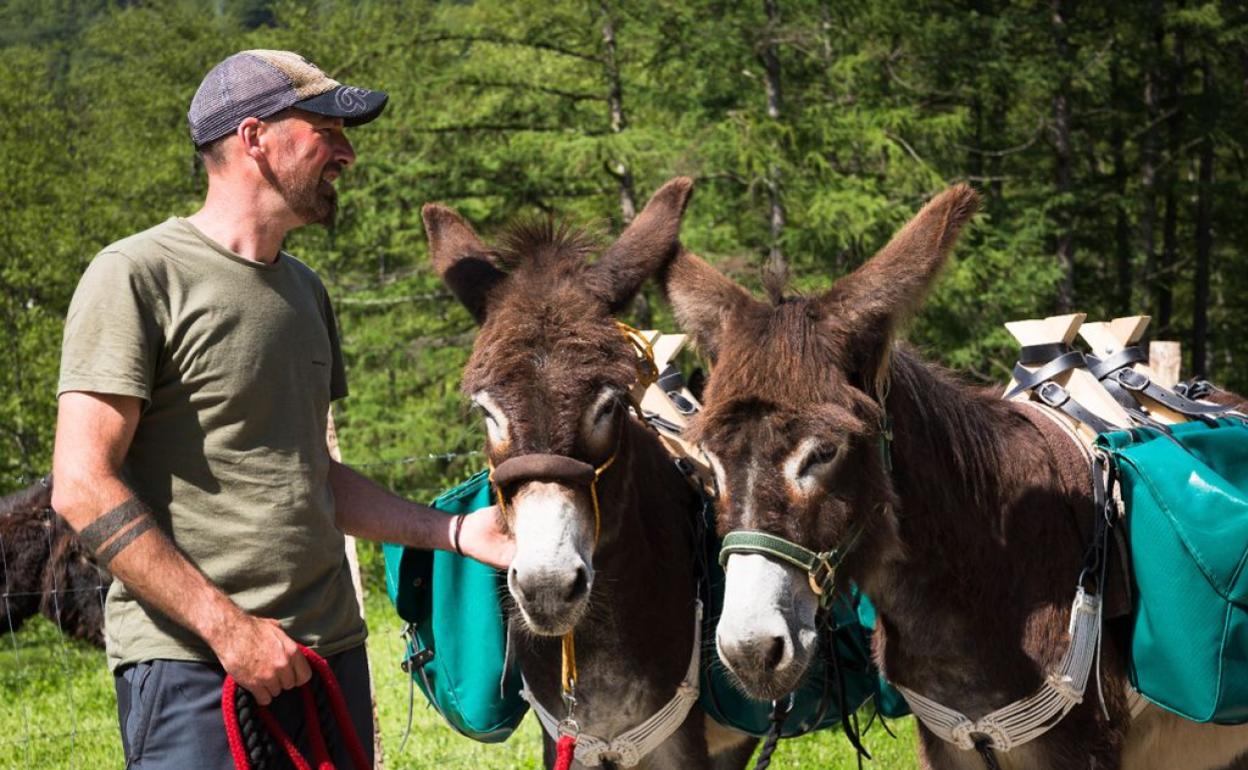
(1159, 740)
(729, 749)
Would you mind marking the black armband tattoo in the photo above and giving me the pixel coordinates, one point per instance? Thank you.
(129, 520)
(106, 556)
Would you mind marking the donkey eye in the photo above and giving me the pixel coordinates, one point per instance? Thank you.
(476, 407)
(817, 457)
(607, 409)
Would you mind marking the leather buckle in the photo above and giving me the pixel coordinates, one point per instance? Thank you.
(1131, 379)
(1053, 394)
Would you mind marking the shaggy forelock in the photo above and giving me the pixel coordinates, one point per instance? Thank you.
(546, 246)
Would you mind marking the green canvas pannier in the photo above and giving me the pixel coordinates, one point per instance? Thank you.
(457, 635)
(456, 651)
(1186, 502)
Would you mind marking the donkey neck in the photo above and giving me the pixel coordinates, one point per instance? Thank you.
(986, 535)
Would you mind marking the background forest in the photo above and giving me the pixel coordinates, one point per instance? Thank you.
(1107, 138)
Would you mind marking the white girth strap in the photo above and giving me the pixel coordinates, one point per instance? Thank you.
(1029, 718)
(628, 748)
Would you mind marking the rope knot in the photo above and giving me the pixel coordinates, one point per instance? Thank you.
(970, 735)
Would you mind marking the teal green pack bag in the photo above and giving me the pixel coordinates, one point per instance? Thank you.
(457, 645)
(1186, 501)
(457, 635)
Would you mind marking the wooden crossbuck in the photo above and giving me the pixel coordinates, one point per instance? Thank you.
(1103, 339)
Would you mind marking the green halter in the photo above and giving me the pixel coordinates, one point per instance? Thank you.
(820, 568)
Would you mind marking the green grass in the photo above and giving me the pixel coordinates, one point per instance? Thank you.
(57, 710)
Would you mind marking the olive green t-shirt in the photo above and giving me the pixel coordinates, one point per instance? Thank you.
(236, 362)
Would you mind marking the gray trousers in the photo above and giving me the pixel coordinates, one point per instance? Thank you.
(170, 714)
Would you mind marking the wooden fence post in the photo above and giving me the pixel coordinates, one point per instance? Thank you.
(1165, 359)
(353, 560)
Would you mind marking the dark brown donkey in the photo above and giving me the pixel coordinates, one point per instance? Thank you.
(969, 544)
(551, 372)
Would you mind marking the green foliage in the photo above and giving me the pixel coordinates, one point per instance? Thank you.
(57, 712)
(503, 110)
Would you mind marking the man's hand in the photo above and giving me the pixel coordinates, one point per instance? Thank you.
(260, 657)
(482, 537)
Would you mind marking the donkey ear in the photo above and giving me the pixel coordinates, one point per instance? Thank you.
(461, 259)
(876, 297)
(703, 299)
(643, 247)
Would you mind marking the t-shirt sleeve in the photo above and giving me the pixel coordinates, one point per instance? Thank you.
(112, 336)
(338, 370)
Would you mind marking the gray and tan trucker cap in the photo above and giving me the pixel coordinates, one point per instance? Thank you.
(261, 83)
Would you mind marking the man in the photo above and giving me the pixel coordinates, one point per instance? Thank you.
(198, 366)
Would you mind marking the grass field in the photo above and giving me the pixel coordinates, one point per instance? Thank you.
(57, 711)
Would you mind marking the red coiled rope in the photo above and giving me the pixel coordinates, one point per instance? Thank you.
(565, 749)
(320, 750)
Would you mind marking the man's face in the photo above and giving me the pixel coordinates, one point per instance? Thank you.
(311, 152)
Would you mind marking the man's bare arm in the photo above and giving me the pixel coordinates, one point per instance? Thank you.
(93, 433)
(365, 509)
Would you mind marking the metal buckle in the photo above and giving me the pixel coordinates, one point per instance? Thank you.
(1053, 394)
(1131, 379)
(822, 576)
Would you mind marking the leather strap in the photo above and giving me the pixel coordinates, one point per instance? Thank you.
(543, 467)
(1054, 395)
(1027, 380)
(1122, 382)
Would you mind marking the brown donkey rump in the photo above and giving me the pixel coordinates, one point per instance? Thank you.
(46, 569)
(946, 503)
(605, 525)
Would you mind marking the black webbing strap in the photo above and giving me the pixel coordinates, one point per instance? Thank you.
(984, 747)
(1122, 382)
(1041, 381)
(671, 382)
(1054, 395)
(1034, 355)
(1027, 380)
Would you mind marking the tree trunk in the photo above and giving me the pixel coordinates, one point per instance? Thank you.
(1063, 218)
(615, 103)
(1166, 270)
(776, 263)
(1204, 233)
(1122, 228)
(1148, 152)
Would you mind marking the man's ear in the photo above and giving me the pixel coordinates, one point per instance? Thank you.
(702, 297)
(249, 133)
(460, 258)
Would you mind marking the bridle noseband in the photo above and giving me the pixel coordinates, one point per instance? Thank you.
(820, 568)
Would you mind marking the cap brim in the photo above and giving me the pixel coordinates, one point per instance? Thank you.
(356, 106)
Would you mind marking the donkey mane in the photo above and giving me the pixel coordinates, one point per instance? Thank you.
(545, 245)
(949, 417)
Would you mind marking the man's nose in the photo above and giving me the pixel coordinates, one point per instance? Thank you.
(344, 153)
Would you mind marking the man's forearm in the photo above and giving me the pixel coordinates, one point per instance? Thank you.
(125, 540)
(364, 509)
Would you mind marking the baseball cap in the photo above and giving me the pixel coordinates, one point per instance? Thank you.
(261, 83)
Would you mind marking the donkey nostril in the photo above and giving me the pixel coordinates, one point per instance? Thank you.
(513, 579)
(579, 585)
(775, 653)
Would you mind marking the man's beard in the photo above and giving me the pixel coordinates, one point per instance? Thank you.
(313, 199)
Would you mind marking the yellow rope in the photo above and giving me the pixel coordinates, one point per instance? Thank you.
(569, 665)
(646, 350)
